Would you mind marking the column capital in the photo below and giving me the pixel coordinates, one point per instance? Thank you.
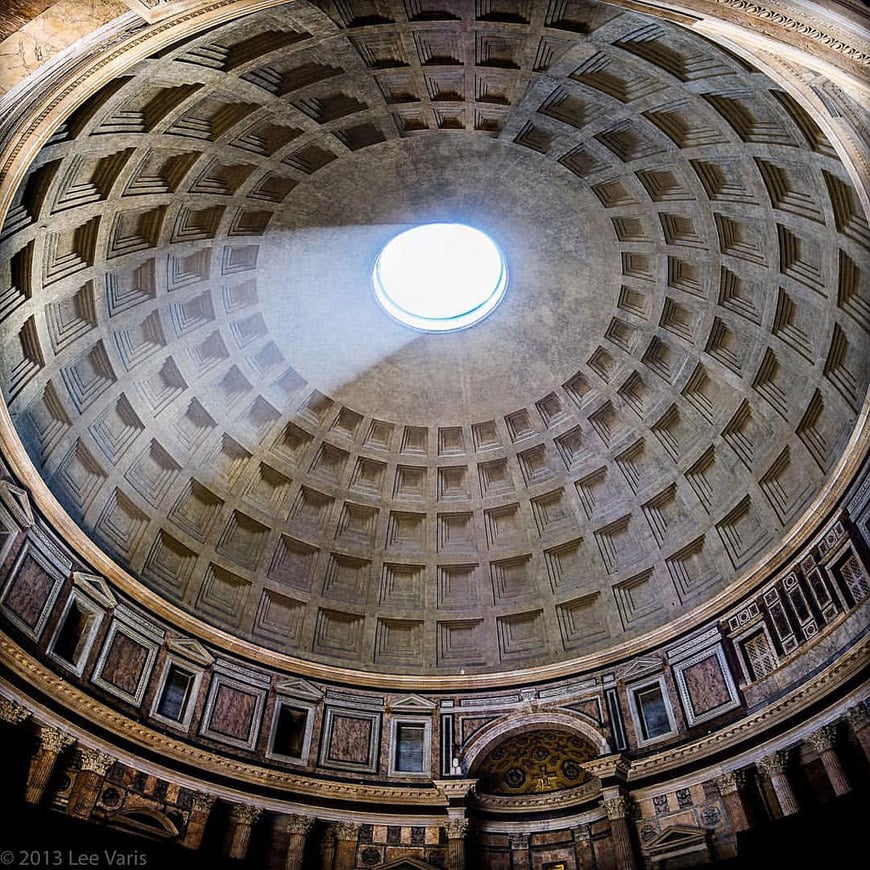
(730, 782)
(12, 712)
(96, 760)
(346, 830)
(857, 717)
(295, 824)
(456, 829)
(582, 834)
(244, 814)
(824, 738)
(775, 763)
(202, 802)
(53, 739)
(519, 841)
(617, 807)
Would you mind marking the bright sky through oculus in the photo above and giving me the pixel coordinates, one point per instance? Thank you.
(440, 277)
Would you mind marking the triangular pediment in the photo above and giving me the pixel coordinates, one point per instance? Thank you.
(190, 649)
(95, 587)
(641, 666)
(17, 501)
(677, 838)
(144, 820)
(405, 864)
(301, 689)
(412, 704)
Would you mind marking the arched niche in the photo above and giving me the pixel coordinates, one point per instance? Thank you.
(489, 738)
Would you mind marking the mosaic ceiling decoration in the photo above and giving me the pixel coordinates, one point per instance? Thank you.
(535, 762)
(193, 357)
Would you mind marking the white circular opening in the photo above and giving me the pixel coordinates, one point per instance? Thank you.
(440, 277)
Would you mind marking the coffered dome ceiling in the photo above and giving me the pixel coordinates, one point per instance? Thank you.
(197, 366)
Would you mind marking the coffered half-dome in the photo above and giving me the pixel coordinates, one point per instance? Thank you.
(200, 373)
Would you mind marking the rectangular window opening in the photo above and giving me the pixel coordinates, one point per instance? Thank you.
(654, 720)
(72, 633)
(175, 694)
(289, 737)
(410, 748)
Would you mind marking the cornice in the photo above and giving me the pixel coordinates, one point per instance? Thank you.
(798, 21)
(774, 18)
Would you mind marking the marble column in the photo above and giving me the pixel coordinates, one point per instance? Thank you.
(859, 721)
(242, 820)
(199, 811)
(88, 782)
(731, 785)
(617, 809)
(456, 830)
(824, 741)
(52, 742)
(520, 859)
(288, 842)
(774, 767)
(583, 849)
(327, 848)
(346, 834)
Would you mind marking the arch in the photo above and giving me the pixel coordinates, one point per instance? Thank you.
(490, 735)
(144, 820)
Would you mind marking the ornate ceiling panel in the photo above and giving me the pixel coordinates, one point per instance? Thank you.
(535, 762)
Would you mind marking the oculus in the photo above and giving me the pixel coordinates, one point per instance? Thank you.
(439, 277)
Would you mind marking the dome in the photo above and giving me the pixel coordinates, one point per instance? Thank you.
(242, 443)
(199, 372)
